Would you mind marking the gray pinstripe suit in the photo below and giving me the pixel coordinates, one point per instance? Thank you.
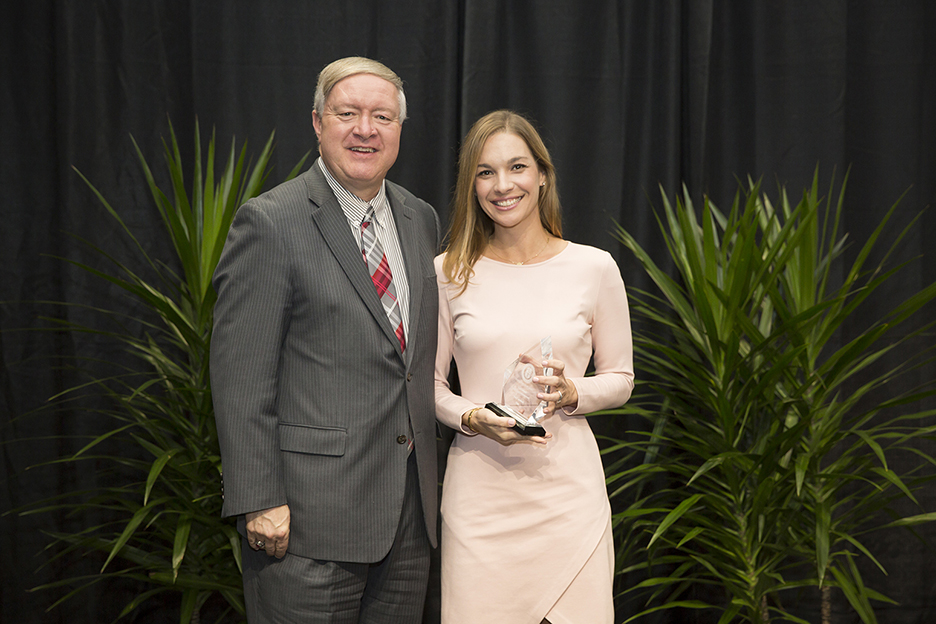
(311, 391)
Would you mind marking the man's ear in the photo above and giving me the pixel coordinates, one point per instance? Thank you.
(317, 124)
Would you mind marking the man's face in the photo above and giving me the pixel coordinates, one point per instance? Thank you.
(359, 132)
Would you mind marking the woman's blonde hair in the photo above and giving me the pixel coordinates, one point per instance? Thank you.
(469, 226)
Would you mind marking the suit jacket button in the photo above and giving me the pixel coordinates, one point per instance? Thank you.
(409, 376)
(401, 439)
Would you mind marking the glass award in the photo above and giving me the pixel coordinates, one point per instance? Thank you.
(518, 398)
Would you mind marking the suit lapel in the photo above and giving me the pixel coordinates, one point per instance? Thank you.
(409, 244)
(333, 224)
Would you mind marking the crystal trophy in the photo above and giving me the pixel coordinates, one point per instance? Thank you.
(518, 398)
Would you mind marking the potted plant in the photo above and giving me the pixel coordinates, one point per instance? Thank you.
(768, 455)
(162, 500)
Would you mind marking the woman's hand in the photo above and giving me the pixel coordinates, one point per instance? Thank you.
(558, 391)
(489, 424)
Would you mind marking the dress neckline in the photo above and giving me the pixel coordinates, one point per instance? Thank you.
(528, 264)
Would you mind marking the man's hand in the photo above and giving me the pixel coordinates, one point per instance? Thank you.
(269, 530)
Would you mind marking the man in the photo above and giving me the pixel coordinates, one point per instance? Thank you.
(322, 362)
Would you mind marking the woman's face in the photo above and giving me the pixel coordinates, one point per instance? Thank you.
(507, 181)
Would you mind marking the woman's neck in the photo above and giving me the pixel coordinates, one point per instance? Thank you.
(519, 247)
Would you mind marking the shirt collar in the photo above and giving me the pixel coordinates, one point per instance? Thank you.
(354, 207)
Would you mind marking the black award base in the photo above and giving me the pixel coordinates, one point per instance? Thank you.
(523, 426)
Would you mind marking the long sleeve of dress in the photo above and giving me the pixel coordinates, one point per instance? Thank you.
(449, 406)
(613, 381)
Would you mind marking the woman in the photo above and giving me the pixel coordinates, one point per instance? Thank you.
(526, 523)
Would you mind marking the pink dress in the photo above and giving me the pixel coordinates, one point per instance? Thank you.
(526, 529)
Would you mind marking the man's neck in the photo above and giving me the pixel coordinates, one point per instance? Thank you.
(364, 194)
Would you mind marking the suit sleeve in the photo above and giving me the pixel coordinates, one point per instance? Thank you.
(251, 315)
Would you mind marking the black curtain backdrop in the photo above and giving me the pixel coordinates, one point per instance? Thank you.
(629, 95)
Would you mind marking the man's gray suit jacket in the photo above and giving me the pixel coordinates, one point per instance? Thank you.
(311, 392)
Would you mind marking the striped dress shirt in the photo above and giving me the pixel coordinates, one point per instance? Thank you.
(355, 210)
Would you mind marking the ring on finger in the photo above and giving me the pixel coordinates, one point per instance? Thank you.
(559, 400)
(260, 543)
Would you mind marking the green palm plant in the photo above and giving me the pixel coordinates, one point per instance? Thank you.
(770, 456)
(161, 502)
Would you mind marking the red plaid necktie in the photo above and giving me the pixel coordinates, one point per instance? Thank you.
(379, 270)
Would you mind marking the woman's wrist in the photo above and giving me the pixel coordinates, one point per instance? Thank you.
(569, 397)
(466, 419)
